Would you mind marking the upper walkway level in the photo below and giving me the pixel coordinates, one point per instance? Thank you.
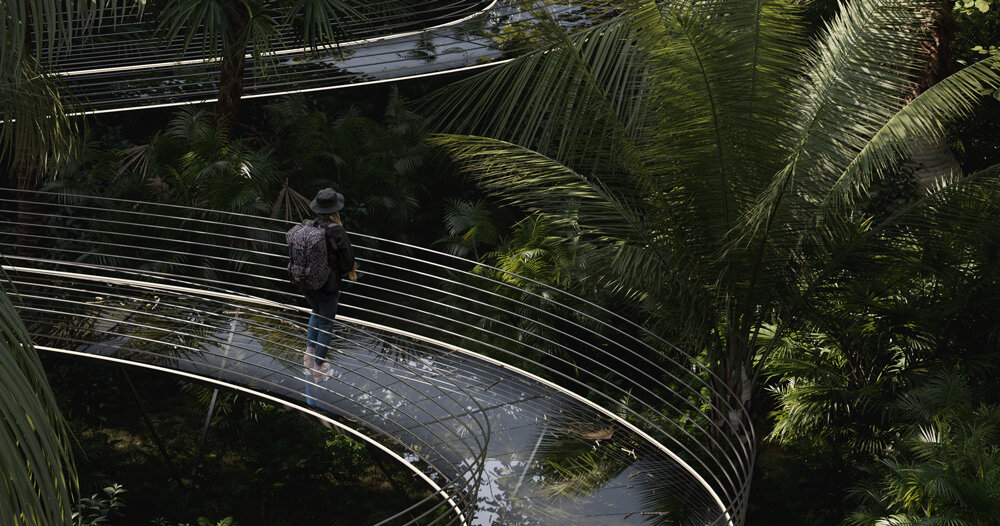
(126, 64)
(515, 402)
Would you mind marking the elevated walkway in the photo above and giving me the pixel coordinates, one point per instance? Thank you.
(125, 66)
(515, 402)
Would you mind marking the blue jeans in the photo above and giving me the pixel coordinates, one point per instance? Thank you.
(324, 308)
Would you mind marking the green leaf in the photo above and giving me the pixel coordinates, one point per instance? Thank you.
(39, 477)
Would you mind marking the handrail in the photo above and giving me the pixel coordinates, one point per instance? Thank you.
(129, 69)
(463, 353)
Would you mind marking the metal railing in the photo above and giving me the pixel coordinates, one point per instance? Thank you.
(497, 390)
(127, 66)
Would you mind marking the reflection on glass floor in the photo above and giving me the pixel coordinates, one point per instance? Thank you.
(418, 366)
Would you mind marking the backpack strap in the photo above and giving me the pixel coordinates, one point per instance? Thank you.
(328, 231)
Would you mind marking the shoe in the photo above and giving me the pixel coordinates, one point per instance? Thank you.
(309, 360)
(322, 372)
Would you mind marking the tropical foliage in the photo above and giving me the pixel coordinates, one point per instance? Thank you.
(231, 30)
(470, 227)
(27, 94)
(711, 170)
(380, 165)
(39, 479)
(258, 462)
(732, 173)
(36, 133)
(533, 255)
(905, 355)
(946, 469)
(197, 163)
(979, 21)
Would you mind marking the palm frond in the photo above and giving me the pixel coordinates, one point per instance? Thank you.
(39, 29)
(20, 19)
(470, 220)
(294, 204)
(322, 21)
(927, 116)
(260, 32)
(36, 129)
(528, 179)
(865, 62)
(577, 100)
(39, 477)
(953, 221)
(719, 90)
(187, 19)
(862, 67)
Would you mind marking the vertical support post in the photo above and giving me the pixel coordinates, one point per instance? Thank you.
(204, 433)
(152, 430)
(215, 396)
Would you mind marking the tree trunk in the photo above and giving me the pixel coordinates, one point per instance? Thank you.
(233, 63)
(937, 50)
(932, 162)
(733, 394)
(230, 91)
(733, 389)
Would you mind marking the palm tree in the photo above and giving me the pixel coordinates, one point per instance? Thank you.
(39, 477)
(36, 132)
(231, 28)
(713, 164)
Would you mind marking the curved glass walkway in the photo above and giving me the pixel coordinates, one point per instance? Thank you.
(516, 403)
(125, 66)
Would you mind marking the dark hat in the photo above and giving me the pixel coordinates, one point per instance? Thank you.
(327, 201)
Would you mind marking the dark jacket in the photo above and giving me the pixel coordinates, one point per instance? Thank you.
(338, 250)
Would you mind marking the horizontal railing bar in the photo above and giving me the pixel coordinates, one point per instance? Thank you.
(608, 366)
(236, 387)
(482, 430)
(593, 375)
